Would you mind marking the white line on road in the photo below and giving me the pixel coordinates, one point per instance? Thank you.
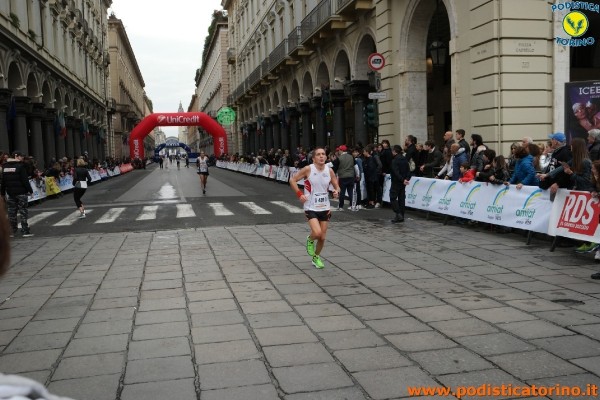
(71, 218)
(288, 206)
(148, 212)
(254, 208)
(39, 217)
(111, 215)
(185, 211)
(219, 209)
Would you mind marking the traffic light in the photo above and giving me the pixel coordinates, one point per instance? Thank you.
(372, 115)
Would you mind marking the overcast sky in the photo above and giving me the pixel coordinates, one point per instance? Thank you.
(167, 38)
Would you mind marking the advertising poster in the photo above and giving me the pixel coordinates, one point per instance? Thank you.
(582, 108)
(575, 215)
(528, 208)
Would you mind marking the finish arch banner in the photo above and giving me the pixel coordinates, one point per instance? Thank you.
(528, 208)
(141, 130)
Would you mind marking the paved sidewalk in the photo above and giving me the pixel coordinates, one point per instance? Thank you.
(239, 313)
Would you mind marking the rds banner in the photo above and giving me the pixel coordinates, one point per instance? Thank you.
(528, 208)
(575, 215)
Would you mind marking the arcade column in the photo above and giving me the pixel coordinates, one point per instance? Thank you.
(94, 142)
(320, 131)
(5, 96)
(339, 117)
(294, 131)
(359, 91)
(285, 131)
(307, 133)
(60, 144)
(268, 133)
(78, 140)
(23, 107)
(70, 144)
(252, 138)
(276, 129)
(261, 136)
(89, 143)
(48, 135)
(37, 141)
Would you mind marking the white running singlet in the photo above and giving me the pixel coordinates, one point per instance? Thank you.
(316, 189)
(203, 164)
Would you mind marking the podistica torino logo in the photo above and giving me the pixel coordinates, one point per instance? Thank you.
(575, 24)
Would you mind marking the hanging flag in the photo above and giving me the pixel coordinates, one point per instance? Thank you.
(62, 124)
(85, 131)
(56, 125)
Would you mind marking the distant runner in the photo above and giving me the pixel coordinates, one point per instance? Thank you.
(315, 197)
(202, 163)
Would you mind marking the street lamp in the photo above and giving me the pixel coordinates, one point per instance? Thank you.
(438, 52)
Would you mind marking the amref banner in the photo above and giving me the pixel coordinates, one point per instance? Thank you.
(528, 208)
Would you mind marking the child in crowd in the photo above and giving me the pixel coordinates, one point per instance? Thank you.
(466, 174)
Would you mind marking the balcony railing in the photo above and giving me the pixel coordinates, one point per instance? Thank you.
(265, 67)
(278, 55)
(342, 3)
(317, 17)
(295, 38)
(254, 77)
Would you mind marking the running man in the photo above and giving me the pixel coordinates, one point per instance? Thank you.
(315, 197)
(202, 163)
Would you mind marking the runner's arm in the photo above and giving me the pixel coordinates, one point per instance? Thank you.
(334, 182)
(302, 174)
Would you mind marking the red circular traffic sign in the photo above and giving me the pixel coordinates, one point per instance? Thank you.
(376, 61)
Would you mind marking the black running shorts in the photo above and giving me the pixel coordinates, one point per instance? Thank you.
(320, 215)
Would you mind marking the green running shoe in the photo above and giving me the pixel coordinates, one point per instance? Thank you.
(310, 246)
(317, 262)
(587, 248)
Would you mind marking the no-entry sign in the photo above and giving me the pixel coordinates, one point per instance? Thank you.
(376, 61)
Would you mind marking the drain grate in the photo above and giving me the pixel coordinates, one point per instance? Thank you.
(568, 302)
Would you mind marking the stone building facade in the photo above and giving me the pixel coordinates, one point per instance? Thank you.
(53, 71)
(212, 80)
(127, 97)
(300, 74)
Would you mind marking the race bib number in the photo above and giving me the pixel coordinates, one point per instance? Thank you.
(203, 168)
(320, 201)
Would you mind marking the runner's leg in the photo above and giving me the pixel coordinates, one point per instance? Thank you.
(323, 228)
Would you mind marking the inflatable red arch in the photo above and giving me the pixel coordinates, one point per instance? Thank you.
(141, 130)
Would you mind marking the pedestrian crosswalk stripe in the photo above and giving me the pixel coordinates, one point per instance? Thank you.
(185, 211)
(111, 215)
(219, 209)
(148, 212)
(254, 208)
(287, 206)
(39, 217)
(71, 218)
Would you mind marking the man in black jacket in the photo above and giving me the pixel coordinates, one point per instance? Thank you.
(16, 188)
(400, 178)
(434, 159)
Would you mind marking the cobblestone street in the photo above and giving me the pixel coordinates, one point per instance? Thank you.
(240, 313)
